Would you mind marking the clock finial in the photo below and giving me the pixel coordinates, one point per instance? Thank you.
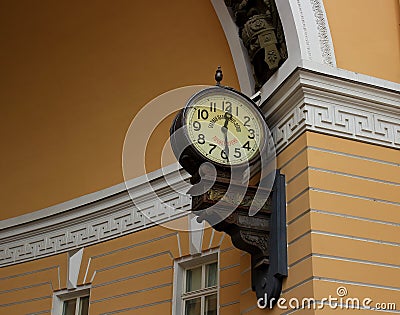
(218, 75)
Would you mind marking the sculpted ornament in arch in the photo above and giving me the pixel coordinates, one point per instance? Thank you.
(261, 31)
(306, 35)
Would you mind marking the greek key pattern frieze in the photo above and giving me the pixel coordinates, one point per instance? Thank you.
(87, 231)
(354, 124)
(292, 125)
(340, 121)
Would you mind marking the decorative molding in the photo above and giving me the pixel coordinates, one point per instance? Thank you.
(313, 31)
(321, 103)
(74, 266)
(325, 39)
(196, 235)
(97, 220)
(304, 28)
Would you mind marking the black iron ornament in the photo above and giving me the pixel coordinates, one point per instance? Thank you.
(219, 137)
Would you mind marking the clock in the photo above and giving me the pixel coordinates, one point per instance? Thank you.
(218, 125)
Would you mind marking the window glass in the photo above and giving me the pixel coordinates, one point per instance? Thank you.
(193, 279)
(69, 307)
(211, 305)
(211, 275)
(84, 306)
(193, 306)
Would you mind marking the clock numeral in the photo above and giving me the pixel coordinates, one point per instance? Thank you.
(213, 146)
(201, 139)
(202, 114)
(237, 154)
(196, 126)
(246, 146)
(251, 136)
(213, 107)
(246, 121)
(224, 155)
(227, 106)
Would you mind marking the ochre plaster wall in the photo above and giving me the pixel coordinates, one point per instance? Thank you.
(342, 227)
(73, 76)
(366, 36)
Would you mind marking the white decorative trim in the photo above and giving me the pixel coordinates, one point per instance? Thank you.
(325, 39)
(95, 218)
(317, 102)
(311, 23)
(304, 29)
(74, 266)
(195, 235)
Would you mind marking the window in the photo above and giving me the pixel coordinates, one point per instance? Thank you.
(71, 302)
(200, 293)
(196, 281)
(76, 306)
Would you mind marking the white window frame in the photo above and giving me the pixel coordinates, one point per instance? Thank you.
(190, 262)
(61, 296)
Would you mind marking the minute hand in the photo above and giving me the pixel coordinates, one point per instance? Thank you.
(224, 130)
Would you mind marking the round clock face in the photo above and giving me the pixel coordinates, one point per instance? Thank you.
(224, 126)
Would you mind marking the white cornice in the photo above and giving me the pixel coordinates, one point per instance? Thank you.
(321, 102)
(95, 217)
(116, 192)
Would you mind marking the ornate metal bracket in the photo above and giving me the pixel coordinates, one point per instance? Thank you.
(262, 235)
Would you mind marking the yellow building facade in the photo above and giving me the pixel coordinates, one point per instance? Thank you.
(76, 229)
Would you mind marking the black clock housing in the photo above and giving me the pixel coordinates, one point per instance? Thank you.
(183, 147)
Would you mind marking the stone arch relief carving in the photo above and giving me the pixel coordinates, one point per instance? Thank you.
(307, 34)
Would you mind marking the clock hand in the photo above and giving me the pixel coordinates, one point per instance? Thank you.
(227, 116)
(226, 143)
(224, 130)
